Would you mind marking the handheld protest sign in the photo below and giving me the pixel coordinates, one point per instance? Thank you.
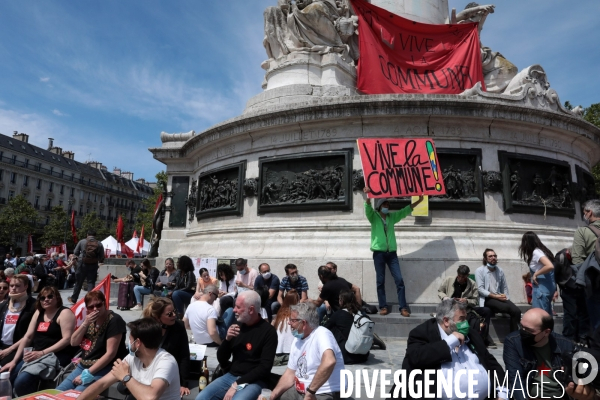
(401, 167)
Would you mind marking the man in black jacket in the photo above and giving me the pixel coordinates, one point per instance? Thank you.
(252, 342)
(445, 344)
(15, 316)
(90, 253)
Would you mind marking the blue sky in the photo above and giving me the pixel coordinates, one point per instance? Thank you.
(105, 78)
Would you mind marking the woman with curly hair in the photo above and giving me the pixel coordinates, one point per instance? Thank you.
(185, 285)
(227, 288)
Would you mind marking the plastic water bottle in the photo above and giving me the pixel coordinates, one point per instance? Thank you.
(5, 386)
(165, 291)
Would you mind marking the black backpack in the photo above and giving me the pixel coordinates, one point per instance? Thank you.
(597, 245)
(90, 253)
(564, 274)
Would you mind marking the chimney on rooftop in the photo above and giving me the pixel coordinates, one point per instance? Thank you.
(69, 154)
(50, 143)
(23, 137)
(127, 175)
(56, 150)
(117, 171)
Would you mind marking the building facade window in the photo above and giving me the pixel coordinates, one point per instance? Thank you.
(62, 189)
(14, 159)
(72, 192)
(39, 184)
(25, 180)
(13, 177)
(11, 194)
(50, 186)
(36, 204)
(26, 162)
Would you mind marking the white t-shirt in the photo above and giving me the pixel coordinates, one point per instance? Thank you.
(198, 313)
(305, 358)
(10, 322)
(247, 279)
(284, 338)
(163, 367)
(535, 264)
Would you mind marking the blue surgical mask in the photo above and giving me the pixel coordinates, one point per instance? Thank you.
(297, 334)
(385, 210)
(243, 272)
(491, 266)
(131, 351)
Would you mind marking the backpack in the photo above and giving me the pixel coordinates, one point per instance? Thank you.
(360, 338)
(90, 253)
(564, 273)
(597, 245)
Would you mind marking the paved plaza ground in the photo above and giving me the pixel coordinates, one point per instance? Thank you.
(390, 359)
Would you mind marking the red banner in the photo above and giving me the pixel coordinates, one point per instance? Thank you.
(107, 253)
(79, 308)
(398, 55)
(401, 167)
(140, 245)
(29, 245)
(73, 230)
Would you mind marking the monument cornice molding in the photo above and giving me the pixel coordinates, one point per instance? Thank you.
(389, 106)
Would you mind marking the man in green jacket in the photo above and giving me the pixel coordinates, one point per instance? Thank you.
(383, 246)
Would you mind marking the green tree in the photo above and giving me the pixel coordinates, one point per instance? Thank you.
(145, 218)
(592, 115)
(18, 218)
(92, 222)
(57, 228)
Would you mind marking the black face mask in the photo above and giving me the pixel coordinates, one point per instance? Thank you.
(527, 338)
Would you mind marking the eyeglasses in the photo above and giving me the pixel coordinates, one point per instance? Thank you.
(171, 314)
(96, 306)
(43, 298)
(215, 294)
(294, 320)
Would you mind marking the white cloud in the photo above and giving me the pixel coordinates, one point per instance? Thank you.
(59, 113)
(44, 79)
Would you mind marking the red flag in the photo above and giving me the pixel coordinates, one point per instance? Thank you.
(29, 244)
(398, 55)
(79, 308)
(63, 248)
(134, 234)
(73, 230)
(160, 197)
(126, 250)
(120, 230)
(140, 244)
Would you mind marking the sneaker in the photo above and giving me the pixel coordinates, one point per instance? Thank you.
(71, 300)
(138, 307)
(405, 312)
(384, 311)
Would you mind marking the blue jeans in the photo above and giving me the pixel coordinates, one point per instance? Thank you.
(542, 293)
(23, 382)
(593, 308)
(381, 259)
(68, 384)
(181, 298)
(222, 327)
(322, 311)
(218, 388)
(139, 290)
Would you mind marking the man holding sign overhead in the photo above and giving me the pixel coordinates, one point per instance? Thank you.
(383, 246)
(395, 167)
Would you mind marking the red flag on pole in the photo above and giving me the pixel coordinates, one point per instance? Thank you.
(140, 244)
(398, 55)
(120, 229)
(134, 234)
(29, 244)
(79, 308)
(160, 197)
(73, 230)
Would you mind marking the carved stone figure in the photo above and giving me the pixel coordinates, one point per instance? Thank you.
(515, 180)
(250, 187)
(492, 181)
(190, 202)
(497, 70)
(157, 226)
(358, 180)
(321, 26)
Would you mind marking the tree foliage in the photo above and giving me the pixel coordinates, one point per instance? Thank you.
(145, 218)
(592, 115)
(92, 222)
(57, 229)
(18, 218)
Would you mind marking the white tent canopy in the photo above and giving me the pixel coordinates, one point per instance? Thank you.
(132, 244)
(112, 244)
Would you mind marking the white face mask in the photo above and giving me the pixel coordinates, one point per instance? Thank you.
(266, 275)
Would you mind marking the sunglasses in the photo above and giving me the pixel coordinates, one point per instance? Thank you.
(171, 314)
(94, 306)
(43, 298)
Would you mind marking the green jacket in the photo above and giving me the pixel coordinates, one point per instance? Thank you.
(583, 243)
(380, 241)
(471, 292)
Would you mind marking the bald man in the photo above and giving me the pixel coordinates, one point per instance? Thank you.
(542, 348)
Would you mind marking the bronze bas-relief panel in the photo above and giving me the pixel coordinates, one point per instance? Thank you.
(315, 181)
(220, 191)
